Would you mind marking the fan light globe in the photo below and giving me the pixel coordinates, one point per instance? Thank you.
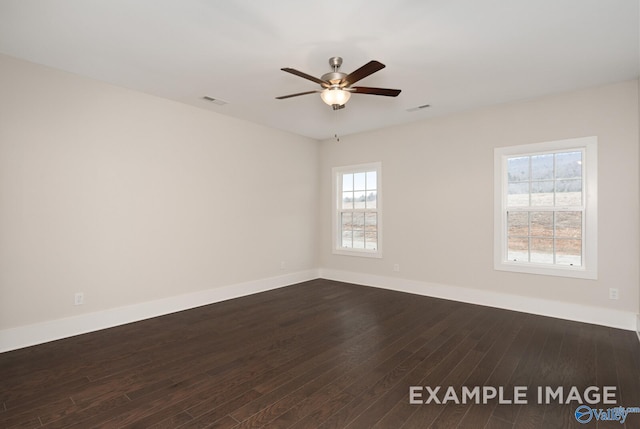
(335, 96)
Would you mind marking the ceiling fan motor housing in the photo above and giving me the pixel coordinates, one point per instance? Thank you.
(335, 76)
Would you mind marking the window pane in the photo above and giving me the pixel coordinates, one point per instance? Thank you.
(359, 181)
(371, 231)
(518, 169)
(359, 199)
(542, 167)
(542, 193)
(518, 224)
(347, 239)
(542, 224)
(371, 242)
(569, 252)
(346, 221)
(346, 226)
(518, 249)
(371, 222)
(372, 199)
(347, 182)
(372, 181)
(569, 165)
(569, 192)
(569, 224)
(542, 250)
(358, 239)
(347, 200)
(358, 220)
(358, 230)
(518, 195)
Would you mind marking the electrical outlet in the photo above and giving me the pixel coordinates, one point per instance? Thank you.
(396, 268)
(78, 298)
(613, 293)
(283, 265)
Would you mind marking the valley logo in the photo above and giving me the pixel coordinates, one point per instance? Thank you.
(584, 414)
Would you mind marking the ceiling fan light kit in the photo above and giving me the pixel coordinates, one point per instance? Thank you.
(335, 97)
(336, 85)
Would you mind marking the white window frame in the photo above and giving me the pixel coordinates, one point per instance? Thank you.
(337, 173)
(589, 267)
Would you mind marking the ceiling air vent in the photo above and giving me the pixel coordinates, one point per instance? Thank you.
(415, 109)
(217, 101)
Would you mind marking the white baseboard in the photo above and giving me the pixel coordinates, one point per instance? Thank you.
(29, 335)
(562, 310)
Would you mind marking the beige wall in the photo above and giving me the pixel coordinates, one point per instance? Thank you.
(438, 194)
(131, 198)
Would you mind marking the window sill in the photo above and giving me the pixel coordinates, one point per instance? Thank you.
(558, 271)
(358, 252)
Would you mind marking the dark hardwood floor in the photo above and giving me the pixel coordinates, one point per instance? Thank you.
(321, 354)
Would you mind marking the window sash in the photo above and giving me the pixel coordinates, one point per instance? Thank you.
(554, 237)
(531, 180)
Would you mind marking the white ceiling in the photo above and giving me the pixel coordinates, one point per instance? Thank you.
(452, 54)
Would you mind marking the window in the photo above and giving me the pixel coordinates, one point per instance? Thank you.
(357, 214)
(546, 208)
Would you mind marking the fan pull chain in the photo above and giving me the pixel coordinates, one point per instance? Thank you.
(335, 116)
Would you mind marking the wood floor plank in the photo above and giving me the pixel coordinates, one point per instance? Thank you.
(523, 373)
(478, 415)
(492, 347)
(222, 411)
(381, 414)
(339, 364)
(320, 354)
(172, 422)
(568, 374)
(372, 413)
(452, 372)
(97, 411)
(497, 423)
(435, 366)
(255, 379)
(432, 338)
(627, 362)
(531, 416)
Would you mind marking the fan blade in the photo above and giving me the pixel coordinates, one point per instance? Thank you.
(324, 83)
(295, 95)
(364, 71)
(375, 91)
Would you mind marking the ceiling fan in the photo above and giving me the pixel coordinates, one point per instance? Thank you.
(336, 86)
